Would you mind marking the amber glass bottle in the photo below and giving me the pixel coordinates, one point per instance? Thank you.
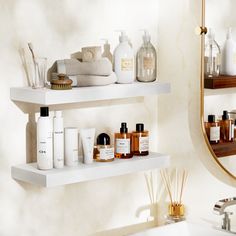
(226, 128)
(212, 129)
(123, 143)
(140, 141)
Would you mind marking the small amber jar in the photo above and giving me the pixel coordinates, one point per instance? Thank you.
(140, 141)
(123, 143)
(212, 129)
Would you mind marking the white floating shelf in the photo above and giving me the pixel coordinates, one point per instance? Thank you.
(216, 92)
(86, 94)
(97, 170)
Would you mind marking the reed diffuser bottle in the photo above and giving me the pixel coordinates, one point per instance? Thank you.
(123, 143)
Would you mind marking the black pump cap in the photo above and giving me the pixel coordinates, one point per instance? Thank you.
(103, 139)
(235, 122)
(211, 118)
(225, 115)
(123, 128)
(44, 111)
(139, 127)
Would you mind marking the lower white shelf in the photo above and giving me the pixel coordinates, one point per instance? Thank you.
(81, 173)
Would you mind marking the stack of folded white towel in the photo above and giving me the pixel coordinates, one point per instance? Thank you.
(92, 73)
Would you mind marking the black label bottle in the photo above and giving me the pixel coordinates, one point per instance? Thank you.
(123, 143)
(212, 128)
(140, 141)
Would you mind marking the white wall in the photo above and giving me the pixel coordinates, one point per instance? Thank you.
(58, 28)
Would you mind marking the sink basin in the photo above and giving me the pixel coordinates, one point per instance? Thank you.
(182, 229)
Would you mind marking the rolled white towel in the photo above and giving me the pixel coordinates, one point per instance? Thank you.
(93, 80)
(102, 67)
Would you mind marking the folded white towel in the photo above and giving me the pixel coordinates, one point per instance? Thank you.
(74, 67)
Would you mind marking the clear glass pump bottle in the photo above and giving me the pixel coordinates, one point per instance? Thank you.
(212, 58)
(146, 60)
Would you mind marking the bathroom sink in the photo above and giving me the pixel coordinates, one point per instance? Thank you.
(182, 229)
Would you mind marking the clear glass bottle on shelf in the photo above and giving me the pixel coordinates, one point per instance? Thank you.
(212, 59)
(146, 60)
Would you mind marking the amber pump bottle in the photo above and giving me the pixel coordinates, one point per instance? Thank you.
(140, 141)
(212, 129)
(226, 128)
(123, 143)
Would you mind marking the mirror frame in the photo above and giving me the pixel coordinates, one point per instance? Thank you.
(203, 32)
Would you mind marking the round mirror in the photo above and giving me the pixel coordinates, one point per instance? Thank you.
(219, 81)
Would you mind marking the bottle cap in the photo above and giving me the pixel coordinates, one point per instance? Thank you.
(146, 36)
(103, 139)
(235, 122)
(58, 113)
(123, 37)
(139, 127)
(44, 111)
(225, 115)
(123, 128)
(211, 118)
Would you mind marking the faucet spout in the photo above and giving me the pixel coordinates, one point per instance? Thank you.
(220, 206)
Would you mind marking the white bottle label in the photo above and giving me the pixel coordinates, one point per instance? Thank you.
(58, 138)
(123, 146)
(106, 153)
(215, 133)
(148, 63)
(127, 64)
(143, 144)
(232, 131)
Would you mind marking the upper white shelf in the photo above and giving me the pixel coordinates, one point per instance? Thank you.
(97, 170)
(86, 94)
(215, 92)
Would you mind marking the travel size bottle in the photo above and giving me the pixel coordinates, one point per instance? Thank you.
(212, 128)
(44, 140)
(140, 141)
(226, 128)
(123, 143)
(58, 140)
(124, 61)
(212, 56)
(146, 60)
(103, 151)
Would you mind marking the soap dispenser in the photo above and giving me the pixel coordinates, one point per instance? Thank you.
(212, 58)
(106, 50)
(228, 55)
(124, 61)
(146, 60)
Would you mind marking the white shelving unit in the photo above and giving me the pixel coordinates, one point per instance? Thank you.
(87, 94)
(98, 170)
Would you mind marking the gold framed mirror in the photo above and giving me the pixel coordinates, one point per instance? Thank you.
(218, 81)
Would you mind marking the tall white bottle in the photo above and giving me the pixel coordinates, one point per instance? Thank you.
(44, 140)
(229, 56)
(124, 61)
(58, 140)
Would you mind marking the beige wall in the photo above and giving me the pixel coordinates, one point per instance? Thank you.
(58, 28)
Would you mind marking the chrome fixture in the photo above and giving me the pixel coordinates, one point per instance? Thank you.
(219, 209)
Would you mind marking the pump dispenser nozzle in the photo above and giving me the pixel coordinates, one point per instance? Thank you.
(106, 52)
(123, 36)
(146, 36)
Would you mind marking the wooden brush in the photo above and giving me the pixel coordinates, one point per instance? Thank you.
(62, 83)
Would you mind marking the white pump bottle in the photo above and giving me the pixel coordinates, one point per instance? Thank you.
(124, 61)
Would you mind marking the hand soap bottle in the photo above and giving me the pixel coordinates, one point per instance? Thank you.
(44, 140)
(146, 60)
(229, 56)
(106, 50)
(123, 143)
(124, 61)
(212, 58)
(226, 128)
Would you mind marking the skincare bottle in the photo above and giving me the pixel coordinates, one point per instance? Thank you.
(146, 60)
(107, 50)
(212, 128)
(140, 141)
(124, 61)
(226, 126)
(228, 56)
(123, 143)
(87, 137)
(44, 140)
(234, 130)
(212, 58)
(103, 151)
(58, 140)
